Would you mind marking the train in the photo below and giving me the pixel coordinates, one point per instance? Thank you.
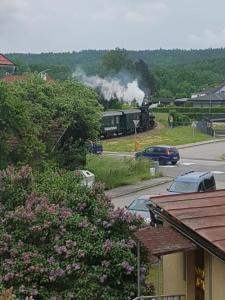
(126, 121)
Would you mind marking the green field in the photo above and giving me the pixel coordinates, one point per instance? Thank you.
(162, 135)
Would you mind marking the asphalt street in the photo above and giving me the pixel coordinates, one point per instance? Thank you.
(200, 157)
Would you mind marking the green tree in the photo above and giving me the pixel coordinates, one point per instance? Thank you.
(117, 60)
(34, 114)
(146, 80)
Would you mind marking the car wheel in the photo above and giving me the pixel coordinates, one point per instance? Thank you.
(174, 162)
(162, 161)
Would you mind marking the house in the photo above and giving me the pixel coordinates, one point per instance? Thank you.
(6, 65)
(208, 100)
(190, 245)
(216, 90)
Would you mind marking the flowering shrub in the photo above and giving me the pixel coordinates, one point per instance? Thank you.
(60, 240)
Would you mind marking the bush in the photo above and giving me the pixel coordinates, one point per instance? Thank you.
(60, 240)
(115, 171)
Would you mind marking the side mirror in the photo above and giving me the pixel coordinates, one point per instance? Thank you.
(168, 189)
(126, 206)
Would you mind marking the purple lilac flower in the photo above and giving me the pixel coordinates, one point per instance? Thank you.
(70, 244)
(105, 263)
(76, 266)
(51, 260)
(81, 253)
(107, 246)
(82, 206)
(22, 289)
(107, 225)
(130, 244)
(8, 277)
(34, 292)
(127, 267)
(83, 224)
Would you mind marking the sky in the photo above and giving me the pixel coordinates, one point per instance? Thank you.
(34, 26)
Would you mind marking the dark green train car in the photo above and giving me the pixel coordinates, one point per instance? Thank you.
(123, 122)
(111, 123)
(128, 120)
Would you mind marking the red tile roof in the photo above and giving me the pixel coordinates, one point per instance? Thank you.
(202, 213)
(12, 78)
(163, 240)
(5, 61)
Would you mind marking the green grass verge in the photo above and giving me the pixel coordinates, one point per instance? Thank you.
(114, 172)
(164, 136)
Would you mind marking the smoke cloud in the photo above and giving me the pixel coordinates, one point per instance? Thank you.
(113, 87)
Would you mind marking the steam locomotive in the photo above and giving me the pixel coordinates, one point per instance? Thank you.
(127, 121)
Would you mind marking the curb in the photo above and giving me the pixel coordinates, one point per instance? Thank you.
(199, 144)
(144, 187)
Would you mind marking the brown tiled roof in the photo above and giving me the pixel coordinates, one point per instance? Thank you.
(163, 240)
(5, 61)
(202, 213)
(12, 78)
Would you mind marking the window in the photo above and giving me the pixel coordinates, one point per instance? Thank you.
(149, 150)
(112, 121)
(183, 187)
(209, 183)
(201, 187)
(157, 150)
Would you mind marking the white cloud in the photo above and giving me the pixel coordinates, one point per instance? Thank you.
(67, 25)
(208, 39)
(131, 11)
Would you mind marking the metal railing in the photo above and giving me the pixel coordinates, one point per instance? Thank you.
(162, 297)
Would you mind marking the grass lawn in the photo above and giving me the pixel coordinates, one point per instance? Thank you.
(114, 171)
(162, 136)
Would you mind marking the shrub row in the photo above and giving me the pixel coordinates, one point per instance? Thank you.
(201, 110)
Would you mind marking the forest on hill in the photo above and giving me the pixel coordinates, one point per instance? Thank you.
(177, 73)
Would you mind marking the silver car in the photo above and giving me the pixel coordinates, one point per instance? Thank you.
(140, 207)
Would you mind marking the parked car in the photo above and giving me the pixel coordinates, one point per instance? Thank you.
(163, 154)
(95, 148)
(140, 207)
(193, 181)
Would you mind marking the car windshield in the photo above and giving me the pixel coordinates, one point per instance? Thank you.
(139, 204)
(183, 187)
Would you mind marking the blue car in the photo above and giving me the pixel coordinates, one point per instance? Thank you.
(163, 154)
(95, 148)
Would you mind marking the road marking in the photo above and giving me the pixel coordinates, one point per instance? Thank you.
(187, 164)
(168, 166)
(217, 172)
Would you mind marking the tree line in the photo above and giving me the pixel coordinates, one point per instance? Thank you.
(174, 73)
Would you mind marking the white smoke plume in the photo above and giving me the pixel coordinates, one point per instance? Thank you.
(113, 87)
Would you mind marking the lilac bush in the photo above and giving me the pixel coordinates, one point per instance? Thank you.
(60, 240)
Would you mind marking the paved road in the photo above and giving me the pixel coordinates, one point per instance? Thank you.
(197, 158)
(211, 151)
